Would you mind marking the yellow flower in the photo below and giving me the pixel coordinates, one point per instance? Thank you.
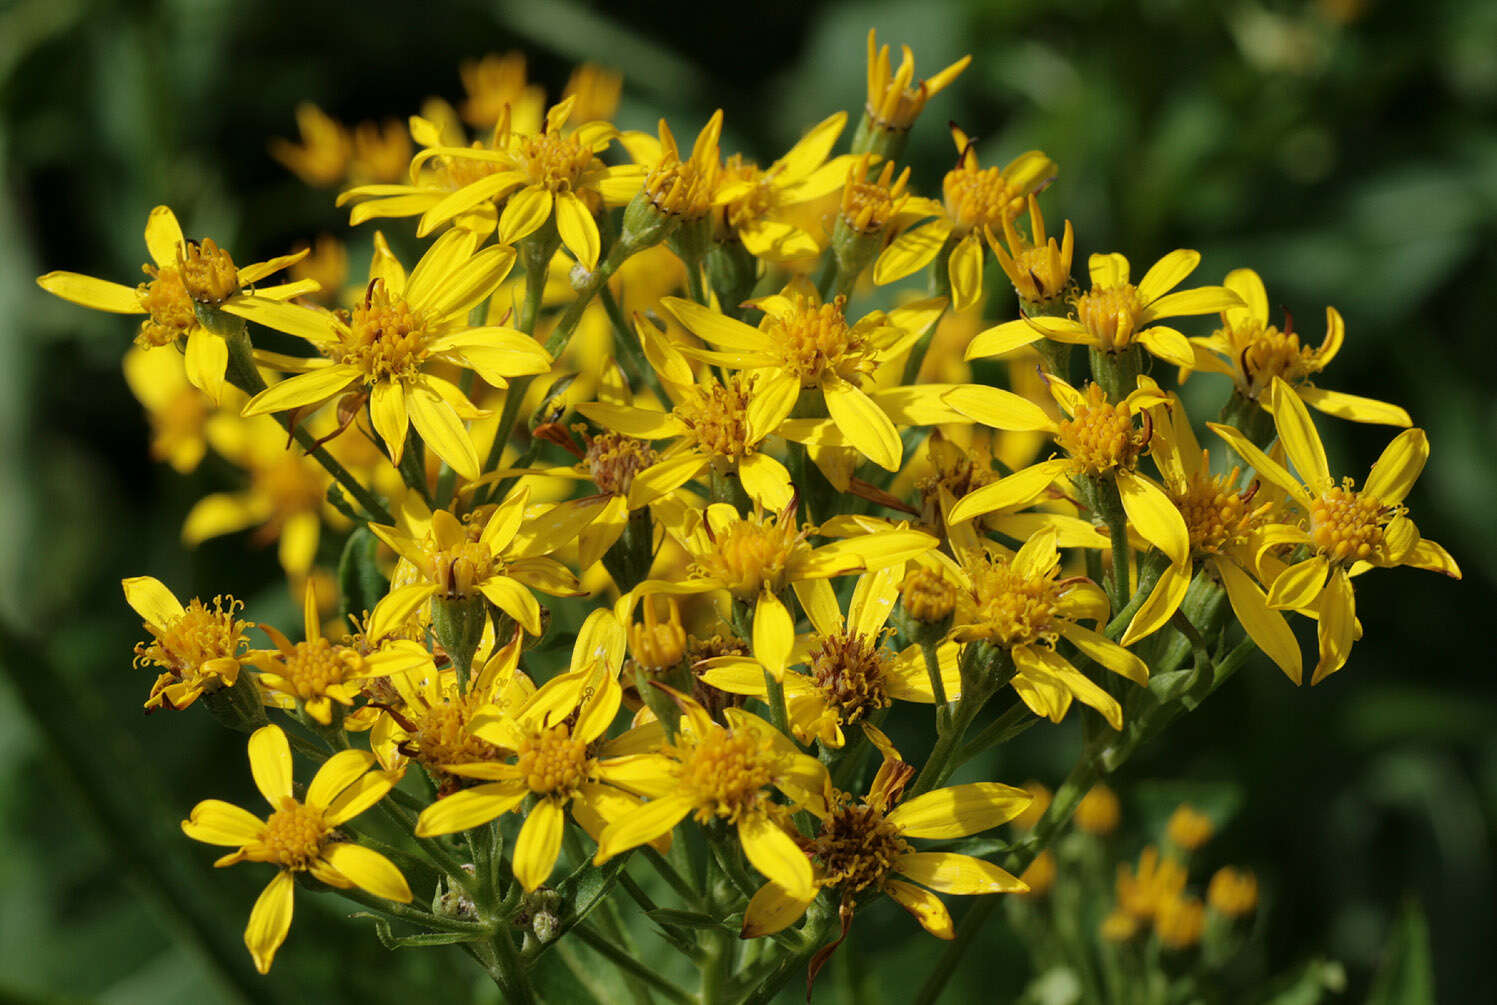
(1188, 828)
(316, 672)
(1180, 922)
(753, 202)
(724, 772)
(1040, 269)
(1253, 352)
(850, 674)
(596, 90)
(501, 556)
(1157, 883)
(555, 174)
(1224, 524)
(299, 835)
(804, 345)
(676, 187)
(719, 427)
(756, 558)
(404, 325)
(864, 844)
(1101, 442)
(380, 152)
(1019, 605)
(196, 647)
(177, 413)
(185, 275)
(1345, 529)
(1099, 811)
(894, 99)
(321, 160)
(1114, 315)
(1233, 892)
(976, 198)
(494, 83)
(560, 757)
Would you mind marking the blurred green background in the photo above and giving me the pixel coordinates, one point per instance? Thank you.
(1347, 150)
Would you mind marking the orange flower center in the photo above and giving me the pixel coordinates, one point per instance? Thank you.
(681, 188)
(1111, 314)
(294, 835)
(815, 339)
(717, 415)
(1014, 609)
(553, 762)
(927, 595)
(1217, 516)
(199, 635)
(980, 197)
(869, 205)
(316, 665)
(613, 460)
(726, 771)
(386, 337)
(442, 737)
(1100, 436)
(850, 670)
(751, 555)
(857, 847)
(208, 273)
(1347, 525)
(554, 161)
(171, 310)
(1266, 353)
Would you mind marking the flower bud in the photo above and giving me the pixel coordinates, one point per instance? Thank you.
(1188, 828)
(1233, 892)
(1098, 811)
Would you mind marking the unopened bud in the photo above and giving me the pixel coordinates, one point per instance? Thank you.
(1188, 828)
(1233, 892)
(1098, 812)
(208, 273)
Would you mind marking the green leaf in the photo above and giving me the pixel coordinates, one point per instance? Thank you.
(393, 941)
(1407, 973)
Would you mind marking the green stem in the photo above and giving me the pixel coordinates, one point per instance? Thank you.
(630, 352)
(412, 916)
(937, 681)
(627, 963)
(774, 695)
(672, 877)
(1010, 724)
(1110, 509)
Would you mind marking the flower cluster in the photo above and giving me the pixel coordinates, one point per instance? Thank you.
(620, 531)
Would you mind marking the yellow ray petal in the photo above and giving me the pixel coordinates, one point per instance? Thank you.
(270, 763)
(1298, 435)
(645, 824)
(965, 269)
(998, 408)
(924, 905)
(524, 214)
(1297, 587)
(578, 229)
(442, 430)
(1167, 273)
(1265, 626)
(336, 774)
(214, 821)
(775, 854)
(1338, 625)
(1019, 489)
(269, 921)
(1154, 517)
(959, 810)
(304, 389)
(1398, 467)
(772, 910)
(911, 251)
(1107, 652)
(86, 291)
(539, 843)
(1162, 603)
(368, 870)
(949, 872)
(1353, 408)
(467, 808)
(151, 600)
(164, 236)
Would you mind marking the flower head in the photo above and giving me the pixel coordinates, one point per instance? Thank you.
(197, 648)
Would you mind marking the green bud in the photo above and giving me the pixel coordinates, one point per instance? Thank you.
(239, 707)
(458, 624)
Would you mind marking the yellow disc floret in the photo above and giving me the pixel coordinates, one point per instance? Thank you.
(927, 595)
(1217, 516)
(1111, 314)
(717, 416)
(869, 205)
(208, 273)
(200, 636)
(1100, 436)
(1011, 608)
(386, 337)
(815, 339)
(294, 836)
(978, 197)
(557, 161)
(170, 309)
(726, 771)
(1347, 525)
(317, 664)
(553, 762)
(613, 459)
(751, 555)
(850, 670)
(857, 847)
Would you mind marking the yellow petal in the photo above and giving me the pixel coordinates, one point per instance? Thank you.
(439, 212)
(965, 267)
(368, 870)
(524, 214)
(1038, 662)
(336, 774)
(214, 821)
(539, 843)
(718, 329)
(442, 430)
(1154, 517)
(959, 810)
(772, 910)
(1297, 586)
(298, 548)
(644, 423)
(911, 251)
(152, 600)
(1201, 300)
(1004, 338)
(207, 358)
(1269, 469)
(1019, 489)
(269, 921)
(1338, 625)
(86, 291)
(774, 634)
(664, 477)
(872, 600)
(1265, 626)
(1107, 653)
(949, 872)
(1246, 284)
(270, 763)
(1167, 273)
(164, 236)
(468, 808)
(1107, 269)
(1162, 603)
(1398, 468)
(454, 295)
(1353, 408)
(315, 326)
(362, 793)
(775, 854)
(924, 905)
(578, 229)
(388, 413)
(1168, 344)
(650, 821)
(765, 480)
(863, 423)
(1297, 434)
(310, 388)
(998, 408)
(515, 600)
